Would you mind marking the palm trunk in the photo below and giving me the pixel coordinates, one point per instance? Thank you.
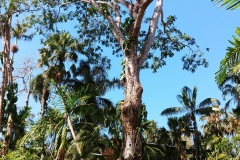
(196, 144)
(43, 102)
(131, 111)
(182, 155)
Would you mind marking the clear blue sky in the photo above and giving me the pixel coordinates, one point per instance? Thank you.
(211, 26)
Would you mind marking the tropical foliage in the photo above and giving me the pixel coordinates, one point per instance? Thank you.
(77, 120)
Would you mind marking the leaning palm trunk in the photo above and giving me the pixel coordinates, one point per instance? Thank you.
(73, 134)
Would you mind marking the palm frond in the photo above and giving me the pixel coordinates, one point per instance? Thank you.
(228, 4)
(209, 102)
(172, 110)
(206, 110)
(153, 151)
(230, 60)
(194, 96)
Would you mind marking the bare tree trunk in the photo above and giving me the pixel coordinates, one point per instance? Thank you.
(27, 91)
(131, 110)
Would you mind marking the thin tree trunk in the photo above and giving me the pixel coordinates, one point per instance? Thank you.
(43, 102)
(8, 135)
(7, 80)
(3, 88)
(28, 92)
(73, 134)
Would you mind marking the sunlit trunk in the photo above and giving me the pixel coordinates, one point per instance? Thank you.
(131, 111)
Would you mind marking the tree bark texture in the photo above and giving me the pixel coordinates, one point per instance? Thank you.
(7, 79)
(131, 110)
(131, 107)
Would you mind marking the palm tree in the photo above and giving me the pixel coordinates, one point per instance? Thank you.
(215, 126)
(189, 106)
(95, 74)
(40, 89)
(176, 127)
(59, 48)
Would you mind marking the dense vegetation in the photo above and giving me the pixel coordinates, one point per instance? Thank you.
(76, 120)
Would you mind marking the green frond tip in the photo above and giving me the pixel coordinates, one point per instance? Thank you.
(170, 111)
(228, 4)
(230, 64)
(207, 110)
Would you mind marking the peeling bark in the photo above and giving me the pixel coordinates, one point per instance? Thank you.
(131, 109)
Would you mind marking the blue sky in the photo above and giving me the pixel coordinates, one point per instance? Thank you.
(211, 26)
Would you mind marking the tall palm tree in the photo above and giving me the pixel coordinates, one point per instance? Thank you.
(40, 89)
(58, 49)
(188, 100)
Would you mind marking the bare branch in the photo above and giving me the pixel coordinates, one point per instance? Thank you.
(151, 33)
(138, 20)
(116, 9)
(116, 30)
(128, 5)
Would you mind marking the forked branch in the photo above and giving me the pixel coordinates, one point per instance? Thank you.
(151, 33)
